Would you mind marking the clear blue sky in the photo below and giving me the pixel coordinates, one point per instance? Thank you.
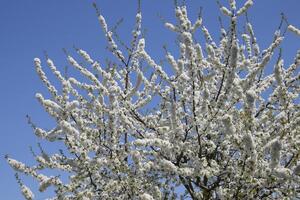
(27, 28)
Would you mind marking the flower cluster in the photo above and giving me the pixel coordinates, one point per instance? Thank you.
(209, 124)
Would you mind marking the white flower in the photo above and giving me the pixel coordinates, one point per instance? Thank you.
(283, 173)
(146, 196)
(249, 144)
(44, 184)
(294, 29)
(171, 27)
(275, 148)
(16, 165)
(246, 6)
(225, 11)
(27, 193)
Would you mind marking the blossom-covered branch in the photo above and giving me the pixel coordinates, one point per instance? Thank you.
(207, 125)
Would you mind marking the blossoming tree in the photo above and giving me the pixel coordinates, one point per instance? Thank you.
(211, 132)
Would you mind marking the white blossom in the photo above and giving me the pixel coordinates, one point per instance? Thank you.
(27, 193)
(275, 148)
(146, 196)
(246, 6)
(225, 11)
(233, 4)
(18, 166)
(283, 173)
(294, 29)
(209, 121)
(171, 27)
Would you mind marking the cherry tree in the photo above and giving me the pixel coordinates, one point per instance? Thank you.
(204, 129)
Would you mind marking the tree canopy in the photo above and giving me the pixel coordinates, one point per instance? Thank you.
(208, 124)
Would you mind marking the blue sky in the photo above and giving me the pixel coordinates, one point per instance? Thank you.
(28, 28)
